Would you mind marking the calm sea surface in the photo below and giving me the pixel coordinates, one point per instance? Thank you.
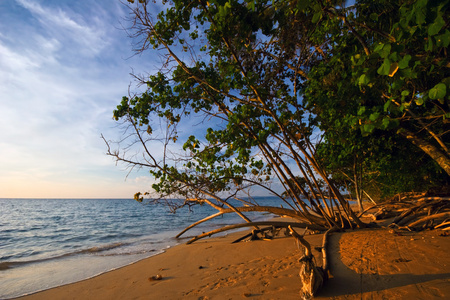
(50, 242)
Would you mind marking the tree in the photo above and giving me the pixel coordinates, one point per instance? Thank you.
(248, 85)
(391, 69)
(278, 84)
(265, 74)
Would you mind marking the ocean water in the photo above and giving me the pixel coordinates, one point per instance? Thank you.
(50, 242)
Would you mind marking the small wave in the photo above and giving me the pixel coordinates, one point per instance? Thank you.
(101, 248)
(93, 250)
(136, 252)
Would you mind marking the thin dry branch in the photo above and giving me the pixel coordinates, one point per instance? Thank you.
(256, 208)
(259, 223)
(428, 218)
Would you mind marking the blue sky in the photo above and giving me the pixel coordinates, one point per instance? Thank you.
(64, 66)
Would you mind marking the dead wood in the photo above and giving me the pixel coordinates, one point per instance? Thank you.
(266, 233)
(409, 210)
(434, 198)
(256, 208)
(405, 220)
(444, 225)
(199, 222)
(325, 265)
(382, 213)
(311, 276)
(430, 202)
(413, 216)
(259, 223)
(428, 218)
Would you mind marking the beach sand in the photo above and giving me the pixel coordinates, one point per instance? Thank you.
(365, 264)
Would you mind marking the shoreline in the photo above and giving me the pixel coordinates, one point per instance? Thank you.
(392, 265)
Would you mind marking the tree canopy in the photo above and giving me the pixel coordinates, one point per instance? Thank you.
(391, 70)
(302, 99)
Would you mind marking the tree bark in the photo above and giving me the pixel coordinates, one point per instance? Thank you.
(442, 160)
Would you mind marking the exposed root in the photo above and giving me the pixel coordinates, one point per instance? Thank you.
(312, 277)
(414, 213)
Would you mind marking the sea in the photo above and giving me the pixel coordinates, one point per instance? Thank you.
(46, 243)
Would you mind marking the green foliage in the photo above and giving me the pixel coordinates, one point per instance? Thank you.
(269, 73)
(395, 79)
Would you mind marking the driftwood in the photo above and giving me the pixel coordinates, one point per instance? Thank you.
(444, 215)
(411, 212)
(256, 208)
(266, 233)
(444, 225)
(382, 213)
(252, 224)
(312, 276)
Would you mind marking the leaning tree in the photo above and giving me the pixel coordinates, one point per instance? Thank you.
(260, 84)
(262, 77)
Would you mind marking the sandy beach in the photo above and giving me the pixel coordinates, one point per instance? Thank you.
(364, 264)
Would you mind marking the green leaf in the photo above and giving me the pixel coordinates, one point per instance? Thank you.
(429, 46)
(374, 16)
(317, 17)
(438, 91)
(393, 56)
(403, 63)
(378, 47)
(405, 93)
(383, 51)
(361, 110)
(252, 5)
(368, 128)
(363, 79)
(387, 105)
(443, 40)
(385, 67)
(419, 11)
(419, 101)
(373, 117)
(434, 28)
(385, 123)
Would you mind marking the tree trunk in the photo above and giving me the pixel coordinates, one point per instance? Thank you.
(358, 182)
(439, 157)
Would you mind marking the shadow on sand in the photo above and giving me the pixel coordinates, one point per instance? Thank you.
(346, 281)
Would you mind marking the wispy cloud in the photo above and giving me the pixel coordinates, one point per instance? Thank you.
(62, 71)
(88, 34)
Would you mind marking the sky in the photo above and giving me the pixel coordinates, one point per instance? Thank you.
(64, 67)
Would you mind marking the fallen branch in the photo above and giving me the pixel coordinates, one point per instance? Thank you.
(428, 218)
(432, 202)
(271, 209)
(443, 224)
(264, 234)
(199, 222)
(251, 224)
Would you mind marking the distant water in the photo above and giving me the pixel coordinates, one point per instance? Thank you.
(50, 242)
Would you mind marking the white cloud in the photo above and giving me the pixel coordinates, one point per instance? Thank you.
(62, 72)
(90, 36)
